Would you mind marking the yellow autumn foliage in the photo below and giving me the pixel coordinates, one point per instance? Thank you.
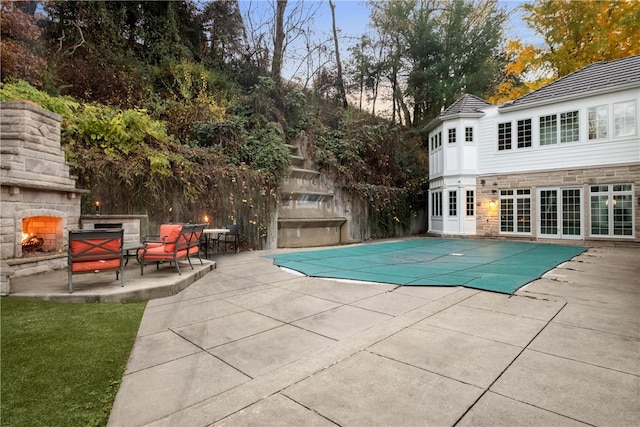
(575, 34)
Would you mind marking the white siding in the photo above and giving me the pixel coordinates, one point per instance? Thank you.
(584, 153)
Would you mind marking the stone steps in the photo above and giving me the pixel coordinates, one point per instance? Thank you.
(306, 213)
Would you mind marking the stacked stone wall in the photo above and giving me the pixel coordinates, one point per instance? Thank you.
(35, 182)
(489, 186)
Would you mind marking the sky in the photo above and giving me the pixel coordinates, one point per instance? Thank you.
(352, 19)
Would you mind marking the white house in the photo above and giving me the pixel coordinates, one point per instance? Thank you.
(562, 162)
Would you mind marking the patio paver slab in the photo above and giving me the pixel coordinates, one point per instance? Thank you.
(264, 352)
(605, 397)
(487, 324)
(451, 354)
(371, 390)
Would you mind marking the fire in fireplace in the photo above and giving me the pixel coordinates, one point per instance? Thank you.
(41, 234)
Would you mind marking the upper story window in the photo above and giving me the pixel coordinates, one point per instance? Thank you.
(569, 130)
(435, 141)
(598, 122)
(569, 127)
(504, 136)
(624, 118)
(524, 133)
(548, 130)
(452, 136)
(468, 134)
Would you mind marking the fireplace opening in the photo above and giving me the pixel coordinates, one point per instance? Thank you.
(41, 235)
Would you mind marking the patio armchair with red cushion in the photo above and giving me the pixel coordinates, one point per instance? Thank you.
(176, 242)
(92, 251)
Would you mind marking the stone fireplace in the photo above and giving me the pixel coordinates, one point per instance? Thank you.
(39, 199)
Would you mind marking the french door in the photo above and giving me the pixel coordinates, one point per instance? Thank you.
(560, 213)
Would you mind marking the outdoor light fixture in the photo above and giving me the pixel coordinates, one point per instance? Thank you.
(492, 204)
(206, 219)
(97, 207)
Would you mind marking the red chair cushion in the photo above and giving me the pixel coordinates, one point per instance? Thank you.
(80, 266)
(91, 246)
(172, 236)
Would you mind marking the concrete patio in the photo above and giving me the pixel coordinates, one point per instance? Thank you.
(250, 344)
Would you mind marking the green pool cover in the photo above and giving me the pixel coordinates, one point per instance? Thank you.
(499, 266)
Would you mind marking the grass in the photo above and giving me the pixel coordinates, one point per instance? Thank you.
(62, 363)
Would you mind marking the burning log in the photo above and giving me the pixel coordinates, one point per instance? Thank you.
(32, 243)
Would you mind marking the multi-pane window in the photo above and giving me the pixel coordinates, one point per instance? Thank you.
(598, 122)
(504, 136)
(436, 204)
(571, 212)
(548, 130)
(624, 118)
(453, 203)
(468, 134)
(524, 133)
(548, 212)
(569, 127)
(436, 141)
(599, 210)
(470, 203)
(452, 136)
(612, 210)
(515, 211)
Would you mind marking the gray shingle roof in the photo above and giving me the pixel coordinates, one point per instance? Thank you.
(592, 78)
(466, 104)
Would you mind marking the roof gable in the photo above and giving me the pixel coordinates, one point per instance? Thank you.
(592, 78)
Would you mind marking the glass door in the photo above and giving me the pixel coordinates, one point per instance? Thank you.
(560, 212)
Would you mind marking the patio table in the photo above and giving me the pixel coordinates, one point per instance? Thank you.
(131, 247)
(207, 232)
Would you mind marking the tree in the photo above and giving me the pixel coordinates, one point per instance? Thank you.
(359, 68)
(223, 22)
(454, 51)
(575, 35)
(104, 51)
(278, 41)
(340, 81)
(20, 40)
(393, 21)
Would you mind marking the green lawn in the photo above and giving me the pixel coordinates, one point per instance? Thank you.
(62, 363)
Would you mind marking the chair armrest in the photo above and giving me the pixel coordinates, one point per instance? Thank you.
(145, 243)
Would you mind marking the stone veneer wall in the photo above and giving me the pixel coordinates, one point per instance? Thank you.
(487, 222)
(35, 181)
(135, 226)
